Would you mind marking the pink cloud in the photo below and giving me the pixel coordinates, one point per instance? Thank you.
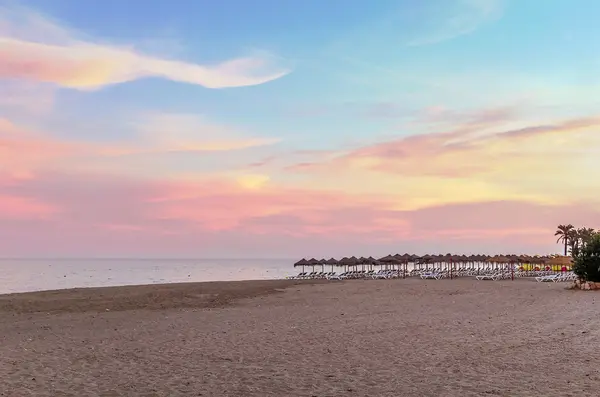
(470, 150)
(473, 118)
(15, 207)
(163, 141)
(91, 215)
(23, 151)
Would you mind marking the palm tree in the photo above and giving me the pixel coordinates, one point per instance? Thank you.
(585, 234)
(563, 235)
(575, 238)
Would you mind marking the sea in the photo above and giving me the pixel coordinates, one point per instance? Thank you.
(25, 275)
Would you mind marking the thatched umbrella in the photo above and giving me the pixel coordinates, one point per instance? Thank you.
(373, 261)
(388, 260)
(313, 262)
(322, 262)
(524, 259)
(534, 260)
(302, 262)
(440, 260)
(399, 260)
(561, 260)
(363, 261)
(503, 261)
(333, 262)
(498, 259)
(345, 261)
(354, 261)
(424, 260)
(405, 259)
(449, 259)
(564, 262)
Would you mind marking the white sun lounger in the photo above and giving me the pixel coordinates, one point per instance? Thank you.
(548, 278)
(488, 277)
(434, 276)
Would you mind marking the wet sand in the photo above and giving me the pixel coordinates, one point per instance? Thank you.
(284, 338)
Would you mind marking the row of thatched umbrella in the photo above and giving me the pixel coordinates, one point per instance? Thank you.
(425, 259)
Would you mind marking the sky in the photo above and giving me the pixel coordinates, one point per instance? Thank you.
(277, 128)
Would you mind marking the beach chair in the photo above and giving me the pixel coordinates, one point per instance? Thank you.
(547, 278)
(333, 276)
(431, 276)
(489, 276)
(297, 277)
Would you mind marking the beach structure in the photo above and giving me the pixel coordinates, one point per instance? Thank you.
(430, 266)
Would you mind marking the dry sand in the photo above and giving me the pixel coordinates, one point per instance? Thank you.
(282, 338)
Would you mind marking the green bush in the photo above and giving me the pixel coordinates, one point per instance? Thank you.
(587, 261)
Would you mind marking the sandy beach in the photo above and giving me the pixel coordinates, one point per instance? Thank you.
(288, 338)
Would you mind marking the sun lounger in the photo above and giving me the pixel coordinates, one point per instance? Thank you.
(548, 278)
(333, 276)
(297, 277)
(494, 276)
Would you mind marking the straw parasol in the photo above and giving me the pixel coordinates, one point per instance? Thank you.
(302, 262)
(322, 262)
(399, 257)
(388, 259)
(372, 260)
(313, 262)
(498, 259)
(345, 261)
(562, 262)
(363, 261)
(331, 261)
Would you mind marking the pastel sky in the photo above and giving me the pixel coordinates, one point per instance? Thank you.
(280, 128)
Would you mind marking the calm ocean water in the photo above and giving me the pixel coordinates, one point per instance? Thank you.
(22, 275)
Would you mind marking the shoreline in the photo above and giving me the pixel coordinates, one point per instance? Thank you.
(176, 295)
(141, 285)
(207, 294)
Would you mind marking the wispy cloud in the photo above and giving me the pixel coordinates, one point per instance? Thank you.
(21, 208)
(23, 151)
(33, 47)
(478, 161)
(473, 147)
(191, 132)
(26, 98)
(449, 19)
(159, 143)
